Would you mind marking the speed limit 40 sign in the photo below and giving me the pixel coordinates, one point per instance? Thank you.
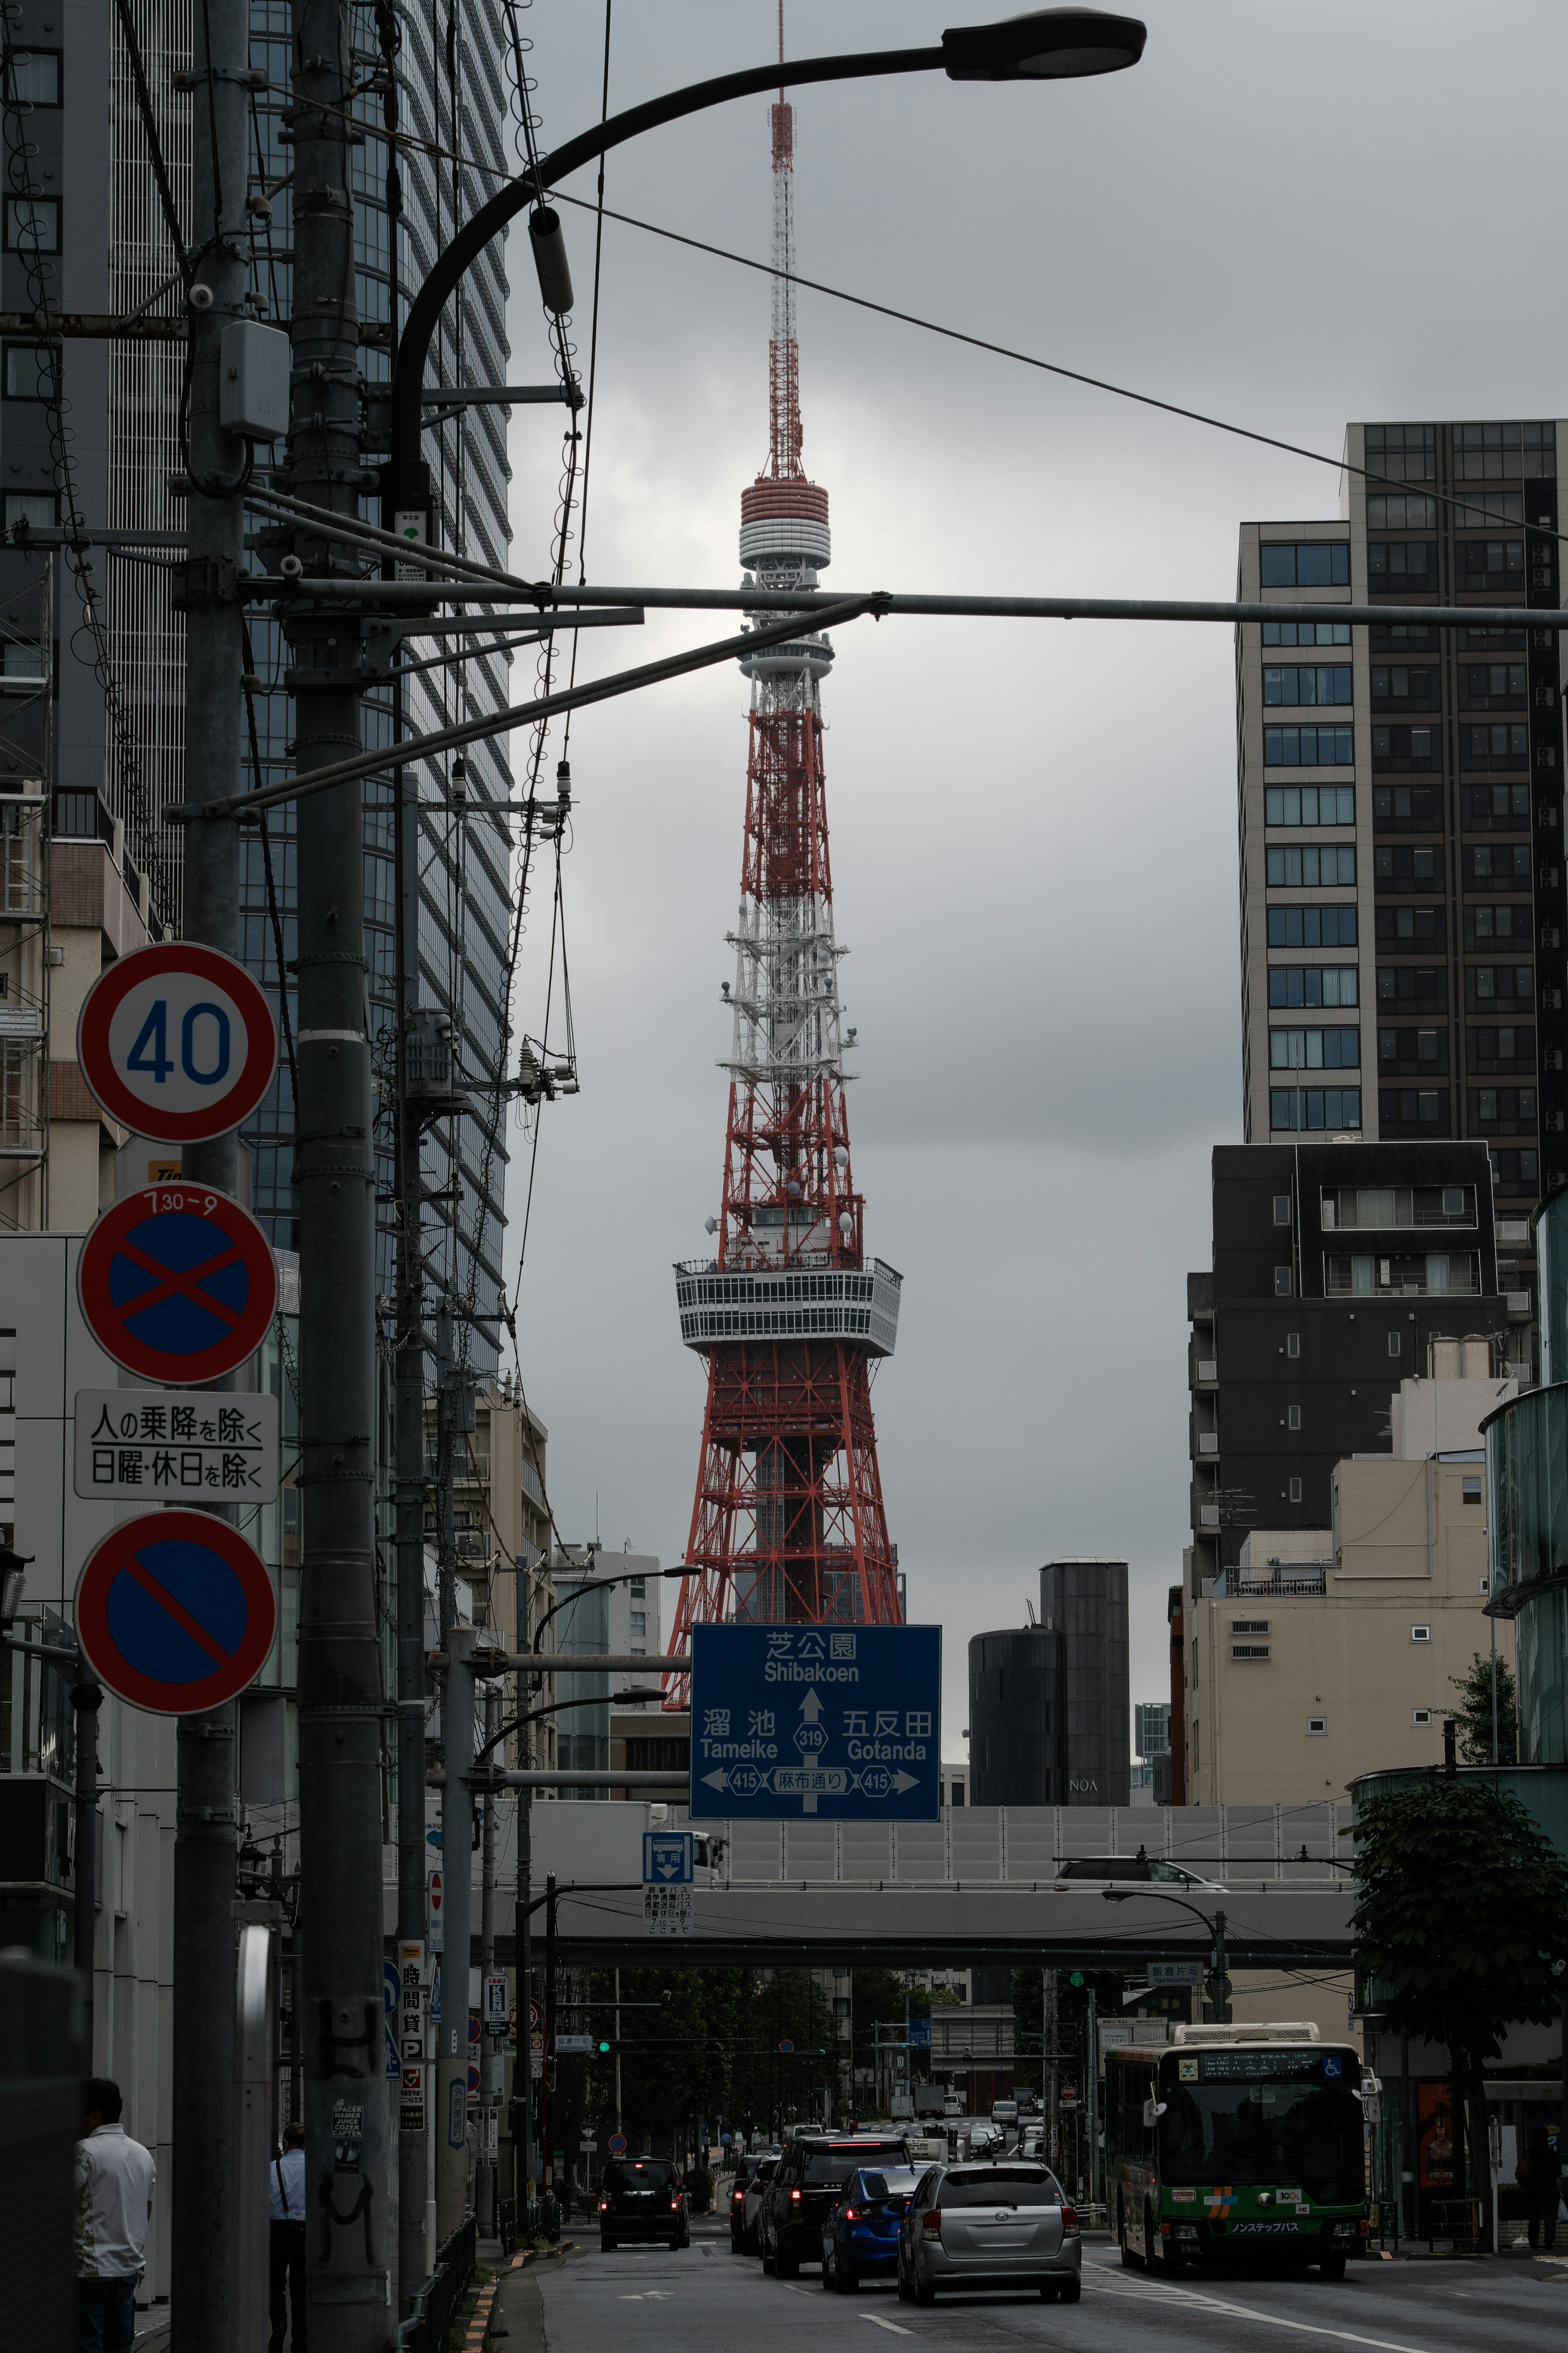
(177, 1042)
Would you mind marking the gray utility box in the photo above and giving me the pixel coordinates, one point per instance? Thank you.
(253, 381)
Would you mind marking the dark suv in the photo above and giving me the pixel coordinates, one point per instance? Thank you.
(642, 2198)
(805, 2189)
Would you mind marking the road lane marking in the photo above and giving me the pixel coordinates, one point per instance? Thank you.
(1249, 2312)
(877, 2321)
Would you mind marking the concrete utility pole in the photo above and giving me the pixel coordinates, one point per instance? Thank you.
(457, 1850)
(349, 2175)
(522, 1930)
(202, 2280)
(490, 2046)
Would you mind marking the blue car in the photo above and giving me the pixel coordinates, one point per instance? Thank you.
(860, 2237)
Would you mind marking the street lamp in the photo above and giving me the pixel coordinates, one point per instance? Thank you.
(1218, 1984)
(1044, 45)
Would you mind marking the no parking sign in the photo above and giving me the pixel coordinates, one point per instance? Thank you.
(178, 1284)
(174, 1612)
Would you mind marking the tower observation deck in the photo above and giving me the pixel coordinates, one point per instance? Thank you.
(788, 1521)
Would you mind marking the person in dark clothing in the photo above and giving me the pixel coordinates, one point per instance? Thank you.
(1540, 2178)
(287, 2176)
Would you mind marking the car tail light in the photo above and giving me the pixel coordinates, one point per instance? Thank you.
(795, 2198)
(851, 2213)
(737, 2196)
(932, 2222)
(604, 2205)
(675, 2205)
(1070, 2222)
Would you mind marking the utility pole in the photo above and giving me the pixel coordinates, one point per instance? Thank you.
(1093, 2058)
(547, 2105)
(456, 1849)
(87, 1698)
(522, 1930)
(490, 2047)
(349, 2174)
(203, 2120)
(414, 2258)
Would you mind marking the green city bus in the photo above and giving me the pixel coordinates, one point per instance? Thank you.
(1236, 2143)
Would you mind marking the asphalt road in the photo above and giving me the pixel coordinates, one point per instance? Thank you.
(649, 2301)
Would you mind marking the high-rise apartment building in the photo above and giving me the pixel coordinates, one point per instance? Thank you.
(1401, 810)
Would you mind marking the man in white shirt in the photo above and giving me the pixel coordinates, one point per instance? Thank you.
(287, 2176)
(114, 2182)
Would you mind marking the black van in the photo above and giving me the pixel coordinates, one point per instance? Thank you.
(643, 2198)
(804, 2190)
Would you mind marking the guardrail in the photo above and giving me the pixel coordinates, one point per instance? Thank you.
(428, 2327)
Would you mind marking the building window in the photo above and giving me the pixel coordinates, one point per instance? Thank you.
(1506, 1108)
(1293, 1417)
(33, 77)
(1420, 1052)
(1281, 1208)
(1311, 927)
(1495, 804)
(1298, 685)
(1405, 808)
(1470, 1488)
(1308, 803)
(1250, 1625)
(1305, 564)
(1421, 1633)
(1291, 869)
(1295, 1491)
(1410, 511)
(1516, 1169)
(1512, 921)
(1406, 869)
(1310, 747)
(1316, 1725)
(1395, 750)
(1486, 984)
(1404, 686)
(637, 1585)
(1294, 1109)
(655, 1755)
(1496, 506)
(1404, 1105)
(1401, 453)
(1306, 633)
(1409, 984)
(1493, 686)
(638, 1620)
(1499, 862)
(1334, 984)
(29, 371)
(1420, 1717)
(1492, 563)
(1249, 1650)
(1314, 1049)
(1407, 564)
(1281, 1282)
(31, 508)
(1437, 1274)
(1393, 1343)
(1292, 1344)
(1502, 744)
(32, 223)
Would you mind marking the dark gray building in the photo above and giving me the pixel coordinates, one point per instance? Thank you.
(1015, 1718)
(1085, 1601)
(1335, 1268)
(1049, 1703)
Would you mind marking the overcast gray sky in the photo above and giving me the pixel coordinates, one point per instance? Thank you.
(1290, 217)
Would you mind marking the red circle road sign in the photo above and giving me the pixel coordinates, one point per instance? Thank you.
(176, 1613)
(178, 1282)
(177, 1042)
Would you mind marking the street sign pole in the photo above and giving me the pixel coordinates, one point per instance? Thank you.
(451, 2123)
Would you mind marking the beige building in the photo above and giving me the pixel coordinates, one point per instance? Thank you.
(1329, 1652)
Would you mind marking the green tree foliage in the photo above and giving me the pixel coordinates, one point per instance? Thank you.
(1474, 1713)
(709, 2050)
(1462, 1913)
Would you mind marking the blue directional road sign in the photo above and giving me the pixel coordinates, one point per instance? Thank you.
(667, 1858)
(919, 2035)
(842, 1722)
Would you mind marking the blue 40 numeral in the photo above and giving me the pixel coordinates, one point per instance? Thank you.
(154, 1031)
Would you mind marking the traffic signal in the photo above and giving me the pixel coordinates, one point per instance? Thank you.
(604, 2049)
(1076, 1978)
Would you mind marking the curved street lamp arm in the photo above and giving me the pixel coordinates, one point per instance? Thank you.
(598, 1585)
(555, 1708)
(470, 241)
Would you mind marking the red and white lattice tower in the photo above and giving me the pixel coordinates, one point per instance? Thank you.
(788, 1521)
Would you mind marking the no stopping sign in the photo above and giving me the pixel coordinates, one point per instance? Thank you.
(177, 1042)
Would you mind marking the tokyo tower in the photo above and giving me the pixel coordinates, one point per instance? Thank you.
(788, 1521)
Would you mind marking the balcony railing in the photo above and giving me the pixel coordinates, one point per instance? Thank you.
(1445, 1275)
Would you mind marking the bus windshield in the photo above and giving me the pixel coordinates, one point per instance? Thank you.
(1307, 2134)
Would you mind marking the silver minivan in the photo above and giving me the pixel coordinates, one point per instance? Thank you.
(1008, 2225)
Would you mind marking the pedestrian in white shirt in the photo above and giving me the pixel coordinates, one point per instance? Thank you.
(287, 2176)
(115, 2177)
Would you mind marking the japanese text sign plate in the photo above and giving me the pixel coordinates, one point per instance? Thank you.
(176, 1613)
(177, 1042)
(146, 1446)
(842, 1722)
(667, 1911)
(178, 1284)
